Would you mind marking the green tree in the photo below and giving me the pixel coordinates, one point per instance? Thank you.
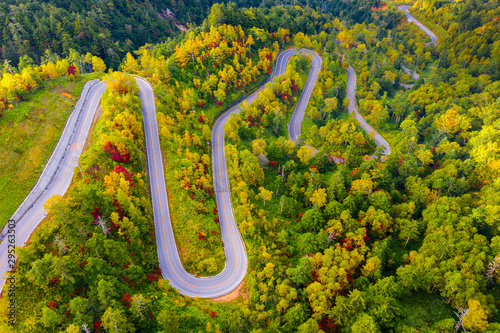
(364, 324)
(51, 319)
(107, 292)
(79, 309)
(139, 306)
(312, 220)
(301, 273)
(294, 317)
(115, 321)
(310, 326)
(169, 321)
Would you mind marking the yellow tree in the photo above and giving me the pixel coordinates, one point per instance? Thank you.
(424, 156)
(265, 194)
(250, 42)
(130, 65)
(50, 70)
(98, 64)
(62, 67)
(319, 197)
(305, 154)
(330, 105)
(29, 78)
(259, 146)
(220, 95)
(476, 318)
(364, 185)
(452, 121)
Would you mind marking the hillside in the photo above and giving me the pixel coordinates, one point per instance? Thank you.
(42, 30)
(381, 216)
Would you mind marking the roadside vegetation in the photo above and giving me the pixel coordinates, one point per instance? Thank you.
(336, 242)
(29, 131)
(94, 260)
(206, 74)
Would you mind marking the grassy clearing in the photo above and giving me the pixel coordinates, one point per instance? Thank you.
(28, 133)
(196, 231)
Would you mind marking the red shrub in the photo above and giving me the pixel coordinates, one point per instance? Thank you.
(52, 305)
(126, 299)
(96, 213)
(328, 325)
(128, 176)
(115, 154)
(119, 209)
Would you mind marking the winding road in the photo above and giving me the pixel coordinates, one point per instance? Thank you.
(234, 248)
(298, 113)
(57, 174)
(351, 95)
(433, 37)
(59, 171)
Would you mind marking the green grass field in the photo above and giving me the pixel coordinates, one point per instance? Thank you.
(28, 134)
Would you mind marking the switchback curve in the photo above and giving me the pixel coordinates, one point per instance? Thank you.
(170, 263)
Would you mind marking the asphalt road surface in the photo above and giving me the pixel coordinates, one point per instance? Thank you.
(413, 75)
(234, 248)
(351, 95)
(420, 25)
(298, 114)
(57, 174)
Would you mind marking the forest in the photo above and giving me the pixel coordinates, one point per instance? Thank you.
(339, 238)
(40, 31)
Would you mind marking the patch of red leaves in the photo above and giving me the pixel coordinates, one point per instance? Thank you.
(96, 214)
(52, 305)
(126, 300)
(113, 152)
